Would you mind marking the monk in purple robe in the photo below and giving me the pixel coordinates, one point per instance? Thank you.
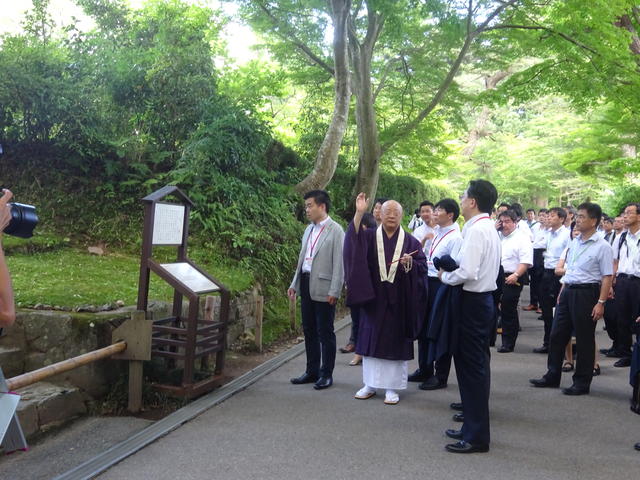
(386, 271)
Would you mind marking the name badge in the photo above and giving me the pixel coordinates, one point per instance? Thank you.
(430, 263)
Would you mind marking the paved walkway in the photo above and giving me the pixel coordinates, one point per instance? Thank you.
(275, 430)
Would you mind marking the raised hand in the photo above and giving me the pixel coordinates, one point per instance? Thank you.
(362, 203)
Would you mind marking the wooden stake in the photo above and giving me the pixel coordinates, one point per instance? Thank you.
(292, 313)
(259, 317)
(135, 386)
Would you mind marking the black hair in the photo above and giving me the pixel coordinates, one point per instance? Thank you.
(320, 197)
(571, 209)
(368, 220)
(426, 203)
(449, 205)
(543, 210)
(634, 204)
(380, 200)
(511, 214)
(504, 204)
(561, 212)
(607, 218)
(484, 193)
(517, 208)
(531, 210)
(593, 211)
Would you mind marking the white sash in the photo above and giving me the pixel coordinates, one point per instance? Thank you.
(390, 277)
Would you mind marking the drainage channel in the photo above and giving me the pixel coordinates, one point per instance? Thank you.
(120, 451)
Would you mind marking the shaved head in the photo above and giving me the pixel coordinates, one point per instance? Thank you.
(391, 214)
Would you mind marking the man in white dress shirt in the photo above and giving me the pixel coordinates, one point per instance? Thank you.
(448, 240)
(425, 232)
(479, 263)
(517, 257)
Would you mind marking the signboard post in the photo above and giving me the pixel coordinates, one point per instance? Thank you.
(177, 339)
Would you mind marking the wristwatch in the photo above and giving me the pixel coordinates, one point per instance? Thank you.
(602, 301)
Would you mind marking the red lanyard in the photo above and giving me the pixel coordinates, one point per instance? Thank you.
(438, 242)
(481, 218)
(315, 241)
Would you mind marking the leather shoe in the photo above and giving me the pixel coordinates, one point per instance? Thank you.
(623, 362)
(304, 378)
(458, 417)
(433, 383)
(464, 447)
(349, 348)
(615, 354)
(637, 446)
(606, 351)
(541, 350)
(543, 383)
(575, 390)
(456, 406)
(417, 376)
(323, 382)
(503, 349)
(453, 433)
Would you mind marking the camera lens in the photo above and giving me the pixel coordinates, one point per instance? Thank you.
(23, 220)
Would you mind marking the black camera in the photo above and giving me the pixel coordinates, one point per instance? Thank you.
(23, 220)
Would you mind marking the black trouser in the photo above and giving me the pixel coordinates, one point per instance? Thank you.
(355, 324)
(442, 365)
(627, 293)
(319, 337)
(535, 277)
(573, 313)
(611, 322)
(509, 313)
(472, 359)
(550, 290)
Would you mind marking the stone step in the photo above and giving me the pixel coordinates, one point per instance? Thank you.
(11, 361)
(44, 406)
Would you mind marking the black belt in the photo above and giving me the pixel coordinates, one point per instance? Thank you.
(550, 270)
(306, 274)
(582, 286)
(630, 277)
(506, 274)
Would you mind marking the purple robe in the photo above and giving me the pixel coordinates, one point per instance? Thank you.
(391, 313)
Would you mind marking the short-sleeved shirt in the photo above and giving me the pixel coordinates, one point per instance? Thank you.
(516, 249)
(628, 254)
(588, 261)
(539, 236)
(447, 241)
(421, 232)
(556, 243)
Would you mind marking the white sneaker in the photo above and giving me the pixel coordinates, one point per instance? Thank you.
(365, 392)
(391, 397)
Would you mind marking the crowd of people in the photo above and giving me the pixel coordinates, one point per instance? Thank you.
(456, 290)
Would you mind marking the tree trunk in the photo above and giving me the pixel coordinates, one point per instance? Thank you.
(369, 150)
(327, 157)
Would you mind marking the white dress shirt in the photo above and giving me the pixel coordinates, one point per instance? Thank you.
(516, 249)
(447, 241)
(556, 243)
(539, 236)
(479, 256)
(524, 227)
(312, 243)
(421, 232)
(627, 254)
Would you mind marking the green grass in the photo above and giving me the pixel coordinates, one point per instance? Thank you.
(69, 277)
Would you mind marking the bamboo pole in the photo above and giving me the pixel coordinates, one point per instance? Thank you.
(30, 378)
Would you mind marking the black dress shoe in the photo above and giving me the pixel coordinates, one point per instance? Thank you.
(637, 446)
(417, 376)
(456, 406)
(575, 390)
(433, 383)
(540, 317)
(623, 362)
(543, 383)
(541, 350)
(304, 378)
(453, 433)
(464, 447)
(612, 353)
(503, 349)
(606, 351)
(458, 417)
(323, 382)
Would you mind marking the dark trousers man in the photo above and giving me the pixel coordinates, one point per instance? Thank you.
(442, 365)
(573, 313)
(319, 337)
(355, 325)
(472, 365)
(550, 290)
(509, 314)
(535, 275)
(627, 293)
(611, 323)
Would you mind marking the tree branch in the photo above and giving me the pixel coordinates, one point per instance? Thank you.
(292, 37)
(546, 29)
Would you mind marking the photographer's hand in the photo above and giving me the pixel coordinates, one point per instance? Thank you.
(5, 210)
